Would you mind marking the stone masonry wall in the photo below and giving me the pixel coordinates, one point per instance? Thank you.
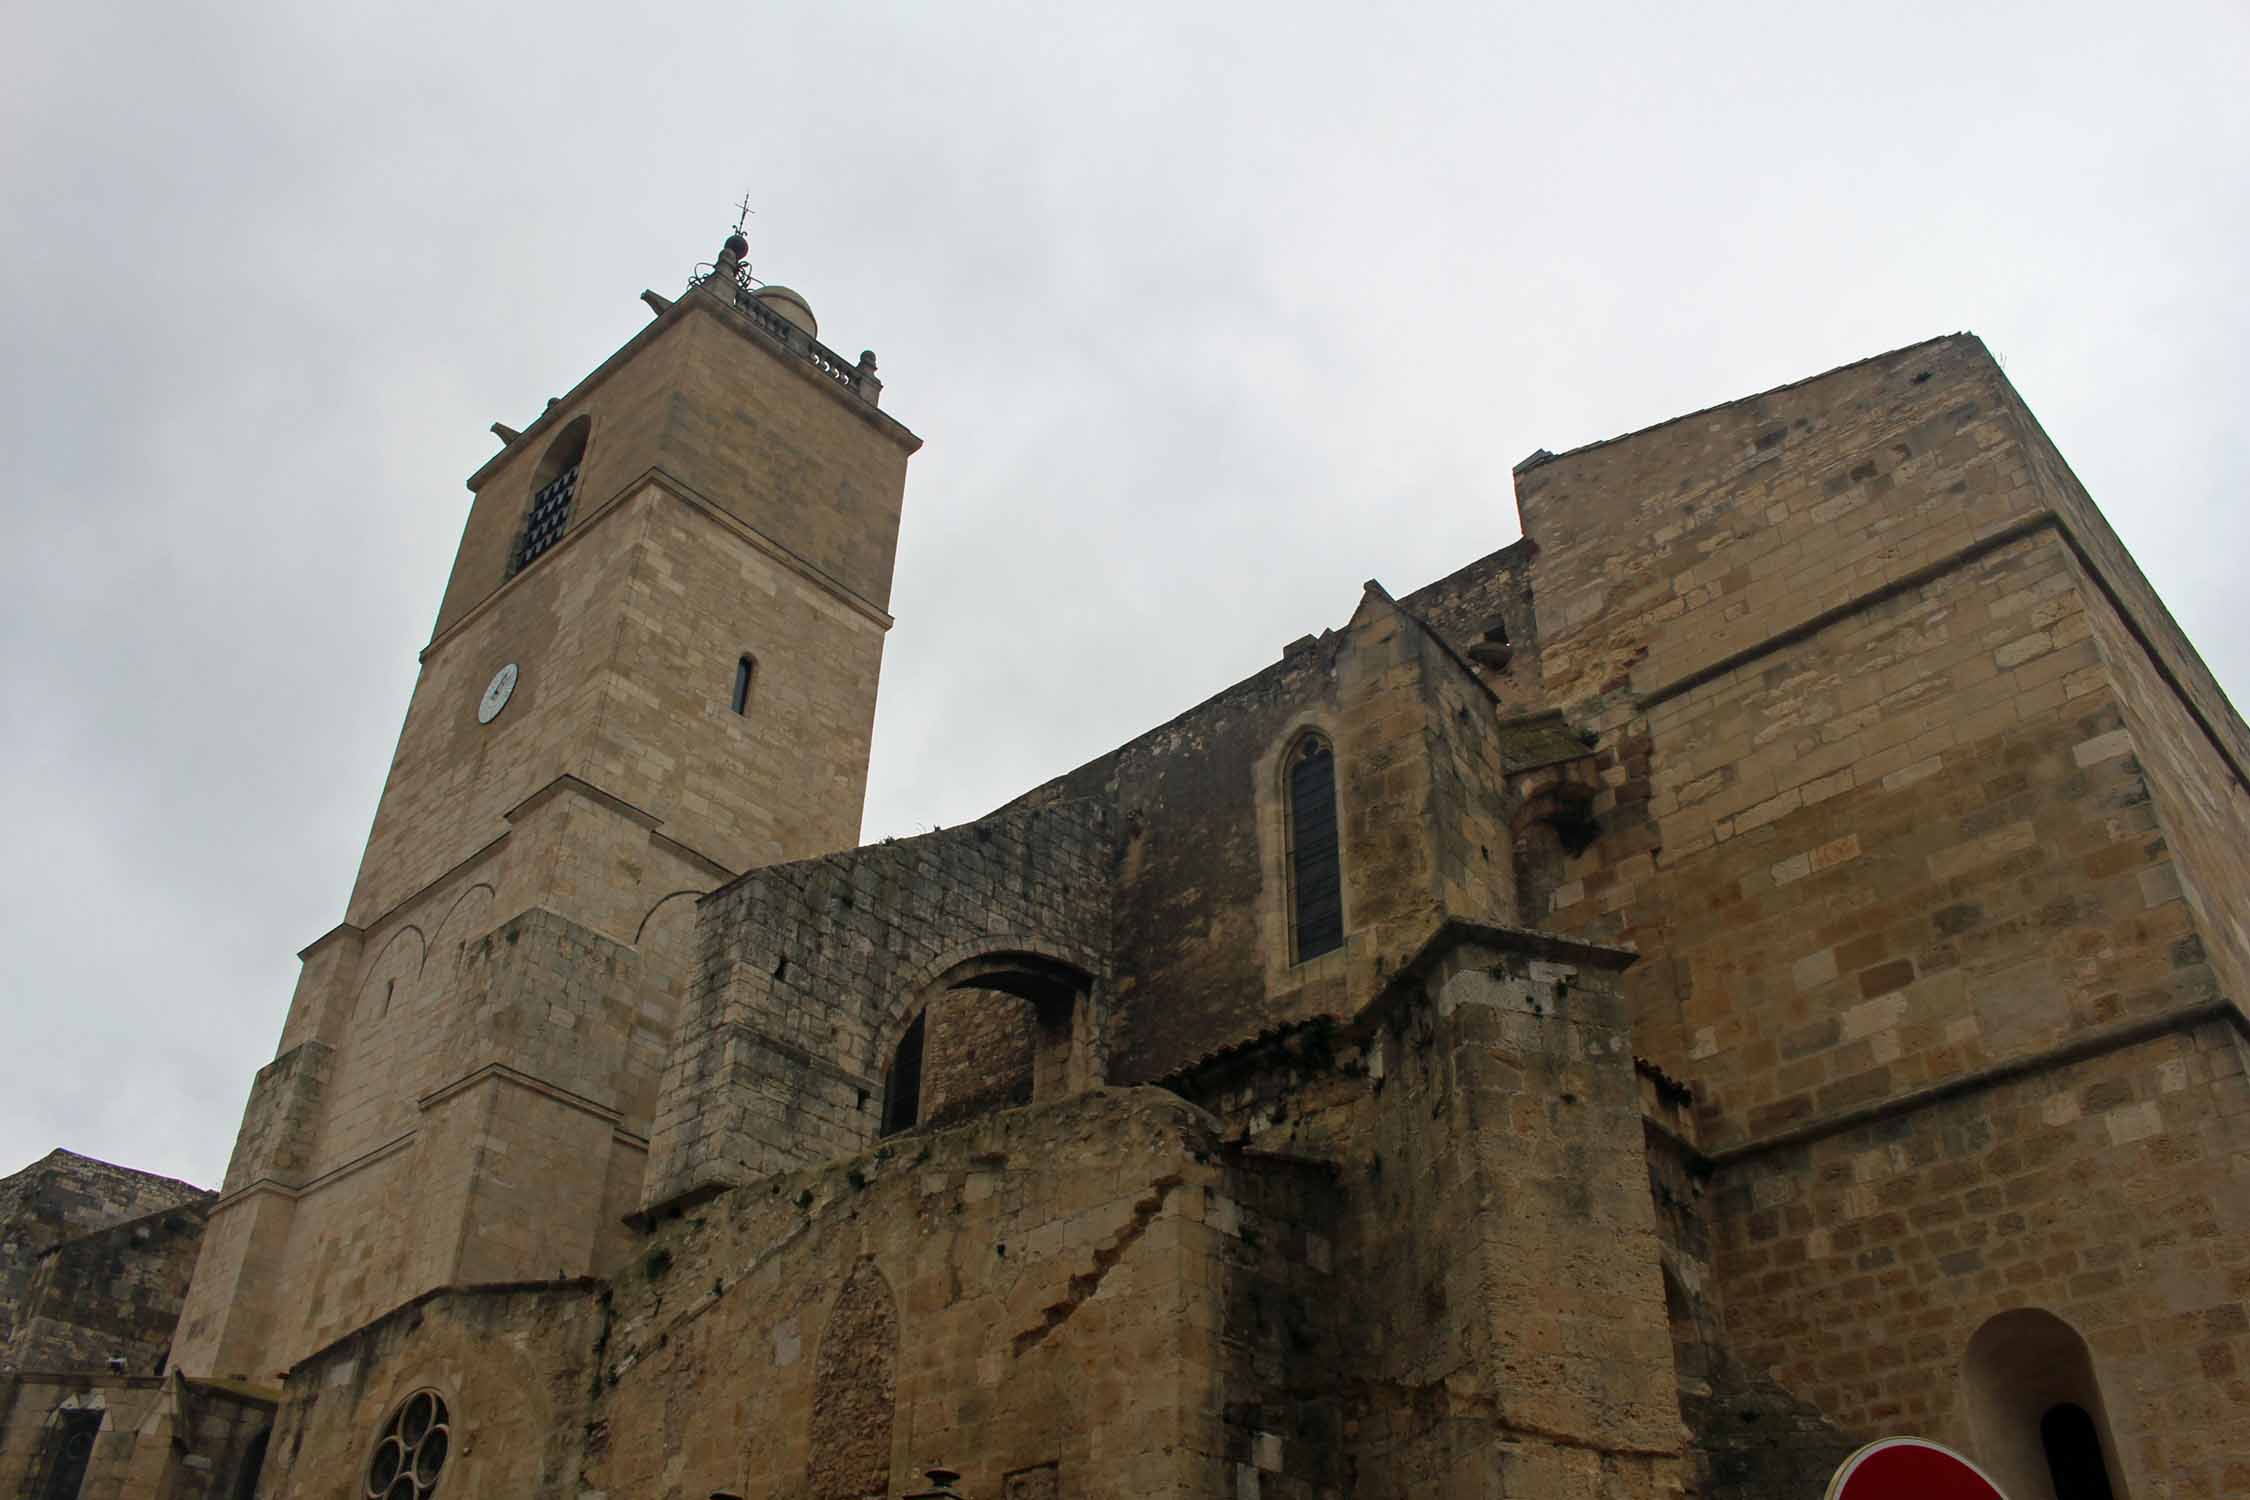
(1204, 939)
(1466, 606)
(810, 972)
(708, 398)
(114, 1293)
(1973, 872)
(1894, 849)
(514, 1365)
(2189, 736)
(1664, 553)
(59, 1197)
(1491, 1219)
(2112, 1192)
(1058, 1279)
(154, 1438)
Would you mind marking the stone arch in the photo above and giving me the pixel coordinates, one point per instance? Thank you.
(2021, 1368)
(1027, 1013)
(665, 940)
(855, 1391)
(667, 907)
(393, 975)
(567, 451)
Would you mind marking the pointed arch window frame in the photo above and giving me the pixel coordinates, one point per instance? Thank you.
(1312, 847)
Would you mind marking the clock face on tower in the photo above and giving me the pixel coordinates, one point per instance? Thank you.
(496, 694)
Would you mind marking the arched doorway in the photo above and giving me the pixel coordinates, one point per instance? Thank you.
(2035, 1410)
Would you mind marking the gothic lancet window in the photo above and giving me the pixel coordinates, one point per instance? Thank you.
(554, 485)
(902, 1091)
(70, 1449)
(743, 671)
(1316, 880)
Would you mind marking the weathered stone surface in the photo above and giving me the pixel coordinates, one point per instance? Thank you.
(1791, 931)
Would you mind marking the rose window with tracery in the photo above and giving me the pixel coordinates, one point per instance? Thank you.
(411, 1455)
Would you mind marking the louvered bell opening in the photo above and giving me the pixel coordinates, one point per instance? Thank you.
(1317, 872)
(550, 512)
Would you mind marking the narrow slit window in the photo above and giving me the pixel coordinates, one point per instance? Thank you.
(743, 671)
(1316, 877)
(902, 1095)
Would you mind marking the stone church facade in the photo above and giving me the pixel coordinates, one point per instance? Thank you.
(1754, 966)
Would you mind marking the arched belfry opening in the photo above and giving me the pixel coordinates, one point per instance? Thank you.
(991, 1032)
(554, 485)
(2035, 1410)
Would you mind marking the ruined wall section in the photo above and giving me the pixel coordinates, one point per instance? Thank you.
(152, 1438)
(1493, 1223)
(111, 1294)
(810, 972)
(1470, 604)
(1063, 1287)
(60, 1197)
(1471, 799)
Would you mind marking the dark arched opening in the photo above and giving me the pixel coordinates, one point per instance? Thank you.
(2074, 1453)
(1316, 873)
(991, 1032)
(554, 484)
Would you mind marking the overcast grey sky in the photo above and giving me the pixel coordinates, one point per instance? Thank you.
(1207, 313)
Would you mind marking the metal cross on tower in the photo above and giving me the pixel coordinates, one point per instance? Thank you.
(739, 218)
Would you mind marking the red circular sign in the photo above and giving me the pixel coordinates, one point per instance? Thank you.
(1910, 1469)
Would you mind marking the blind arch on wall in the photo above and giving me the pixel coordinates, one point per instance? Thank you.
(1315, 854)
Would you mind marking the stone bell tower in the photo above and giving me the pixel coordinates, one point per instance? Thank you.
(654, 667)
